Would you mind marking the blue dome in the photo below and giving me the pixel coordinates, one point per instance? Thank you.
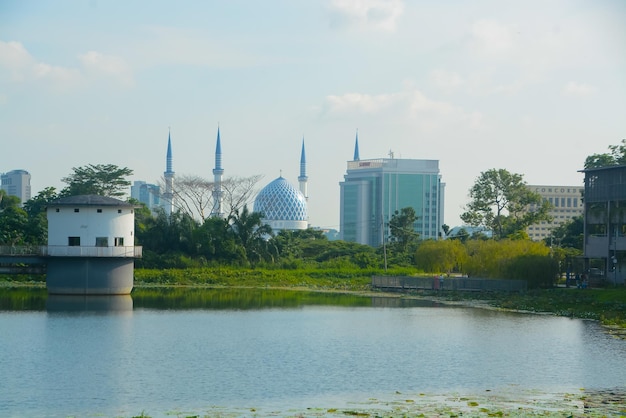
(280, 201)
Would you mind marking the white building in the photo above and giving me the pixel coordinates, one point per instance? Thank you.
(566, 204)
(90, 245)
(17, 183)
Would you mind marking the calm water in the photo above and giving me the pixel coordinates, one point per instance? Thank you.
(160, 352)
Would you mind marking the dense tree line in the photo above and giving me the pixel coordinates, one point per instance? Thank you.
(500, 202)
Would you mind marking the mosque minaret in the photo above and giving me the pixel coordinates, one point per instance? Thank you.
(218, 172)
(168, 196)
(302, 179)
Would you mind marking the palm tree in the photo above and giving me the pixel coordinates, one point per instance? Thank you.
(252, 234)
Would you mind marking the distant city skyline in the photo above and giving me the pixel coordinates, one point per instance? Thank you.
(533, 87)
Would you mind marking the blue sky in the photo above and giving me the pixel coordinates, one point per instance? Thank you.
(530, 86)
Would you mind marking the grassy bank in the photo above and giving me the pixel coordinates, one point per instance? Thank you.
(607, 305)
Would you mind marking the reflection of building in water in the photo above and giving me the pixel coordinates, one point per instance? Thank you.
(89, 303)
(90, 245)
(566, 204)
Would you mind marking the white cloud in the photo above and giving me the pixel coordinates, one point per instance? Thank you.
(165, 45)
(446, 80)
(573, 89)
(15, 58)
(378, 14)
(490, 37)
(23, 67)
(410, 104)
(99, 64)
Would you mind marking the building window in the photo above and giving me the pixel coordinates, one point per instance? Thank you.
(119, 241)
(58, 210)
(73, 241)
(99, 210)
(76, 210)
(102, 241)
(119, 211)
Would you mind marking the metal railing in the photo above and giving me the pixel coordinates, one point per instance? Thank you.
(71, 251)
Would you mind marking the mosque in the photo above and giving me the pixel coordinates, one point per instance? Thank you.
(284, 207)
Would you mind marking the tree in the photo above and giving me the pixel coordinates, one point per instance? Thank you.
(401, 229)
(441, 256)
(13, 220)
(502, 202)
(568, 234)
(238, 192)
(193, 195)
(252, 234)
(617, 156)
(99, 179)
(37, 229)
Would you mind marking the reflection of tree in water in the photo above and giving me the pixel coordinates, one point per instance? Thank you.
(172, 298)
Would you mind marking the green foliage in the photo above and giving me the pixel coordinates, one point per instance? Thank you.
(401, 228)
(537, 270)
(569, 234)
(502, 202)
(252, 236)
(441, 256)
(616, 156)
(490, 259)
(13, 221)
(99, 179)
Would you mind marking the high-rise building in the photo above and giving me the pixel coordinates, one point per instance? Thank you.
(17, 183)
(566, 204)
(373, 190)
(148, 194)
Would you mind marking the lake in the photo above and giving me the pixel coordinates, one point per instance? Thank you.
(183, 352)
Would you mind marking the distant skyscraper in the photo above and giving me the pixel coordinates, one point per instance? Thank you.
(17, 183)
(218, 172)
(148, 194)
(168, 196)
(373, 190)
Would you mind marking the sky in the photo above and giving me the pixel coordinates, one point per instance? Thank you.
(533, 87)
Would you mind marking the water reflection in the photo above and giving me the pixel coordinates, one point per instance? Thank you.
(89, 303)
(184, 298)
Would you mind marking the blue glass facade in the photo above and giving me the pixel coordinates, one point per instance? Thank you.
(373, 190)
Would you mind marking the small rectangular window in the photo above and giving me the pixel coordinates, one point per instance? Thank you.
(119, 241)
(76, 210)
(73, 241)
(119, 211)
(58, 210)
(102, 241)
(99, 210)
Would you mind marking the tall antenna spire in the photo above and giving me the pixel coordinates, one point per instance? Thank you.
(303, 179)
(356, 147)
(218, 172)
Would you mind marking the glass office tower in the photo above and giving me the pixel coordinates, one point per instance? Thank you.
(373, 190)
